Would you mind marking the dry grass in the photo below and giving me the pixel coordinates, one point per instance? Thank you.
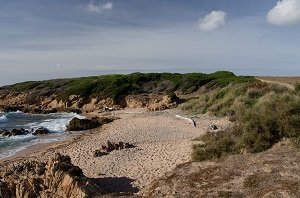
(287, 80)
(269, 174)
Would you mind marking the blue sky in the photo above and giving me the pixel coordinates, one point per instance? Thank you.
(42, 39)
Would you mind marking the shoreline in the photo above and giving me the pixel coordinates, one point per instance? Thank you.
(39, 147)
(162, 142)
(47, 147)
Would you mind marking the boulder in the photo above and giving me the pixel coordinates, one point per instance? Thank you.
(16, 132)
(77, 124)
(41, 131)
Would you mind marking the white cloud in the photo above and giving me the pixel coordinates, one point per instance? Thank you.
(107, 6)
(92, 7)
(212, 21)
(286, 12)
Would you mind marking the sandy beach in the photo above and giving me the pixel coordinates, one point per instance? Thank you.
(162, 142)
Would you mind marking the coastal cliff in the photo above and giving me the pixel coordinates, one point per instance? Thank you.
(76, 103)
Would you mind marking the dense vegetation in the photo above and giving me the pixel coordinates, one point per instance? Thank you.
(116, 86)
(264, 114)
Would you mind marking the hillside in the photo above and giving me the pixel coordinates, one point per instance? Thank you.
(109, 90)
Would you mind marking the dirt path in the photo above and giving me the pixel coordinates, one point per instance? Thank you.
(290, 86)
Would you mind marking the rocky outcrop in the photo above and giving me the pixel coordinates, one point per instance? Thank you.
(152, 102)
(56, 178)
(29, 102)
(77, 102)
(77, 124)
(165, 102)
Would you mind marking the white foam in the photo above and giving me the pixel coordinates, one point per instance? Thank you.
(15, 112)
(19, 143)
(58, 124)
(55, 123)
(3, 119)
(11, 145)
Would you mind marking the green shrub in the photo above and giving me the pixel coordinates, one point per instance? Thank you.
(20, 87)
(117, 86)
(216, 145)
(263, 115)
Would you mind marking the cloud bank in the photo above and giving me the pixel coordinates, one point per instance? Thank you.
(92, 7)
(212, 21)
(286, 12)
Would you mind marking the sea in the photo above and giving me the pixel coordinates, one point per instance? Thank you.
(56, 123)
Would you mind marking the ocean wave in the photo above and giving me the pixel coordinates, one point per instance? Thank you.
(57, 124)
(3, 119)
(7, 142)
(15, 112)
(10, 146)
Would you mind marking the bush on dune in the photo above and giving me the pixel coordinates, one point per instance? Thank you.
(263, 114)
(216, 145)
(274, 117)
